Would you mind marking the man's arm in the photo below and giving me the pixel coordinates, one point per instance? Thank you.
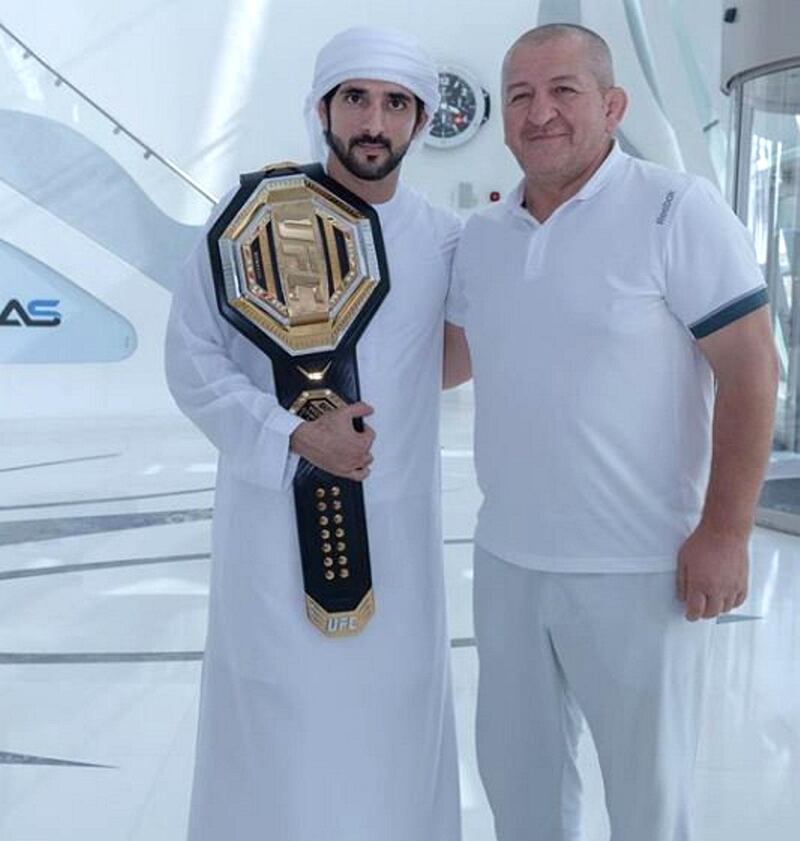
(713, 562)
(457, 363)
(243, 421)
(259, 438)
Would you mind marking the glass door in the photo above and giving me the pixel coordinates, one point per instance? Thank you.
(766, 193)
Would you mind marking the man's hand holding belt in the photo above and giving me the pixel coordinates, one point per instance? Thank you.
(334, 444)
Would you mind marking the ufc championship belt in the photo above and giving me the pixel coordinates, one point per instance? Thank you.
(299, 268)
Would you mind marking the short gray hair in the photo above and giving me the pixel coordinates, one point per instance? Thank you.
(597, 50)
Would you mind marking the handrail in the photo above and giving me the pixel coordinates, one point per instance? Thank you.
(118, 128)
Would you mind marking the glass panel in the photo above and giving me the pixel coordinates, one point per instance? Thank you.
(768, 201)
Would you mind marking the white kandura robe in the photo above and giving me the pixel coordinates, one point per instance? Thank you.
(302, 737)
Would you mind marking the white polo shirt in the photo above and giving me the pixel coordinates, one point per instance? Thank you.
(593, 402)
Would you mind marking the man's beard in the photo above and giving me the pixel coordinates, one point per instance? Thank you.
(367, 172)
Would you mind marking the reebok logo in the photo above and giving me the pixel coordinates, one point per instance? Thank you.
(662, 217)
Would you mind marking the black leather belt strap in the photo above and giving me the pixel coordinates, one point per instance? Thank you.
(331, 521)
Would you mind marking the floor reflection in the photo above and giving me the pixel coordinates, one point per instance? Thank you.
(103, 591)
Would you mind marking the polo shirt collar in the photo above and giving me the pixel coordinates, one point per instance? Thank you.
(596, 183)
(603, 173)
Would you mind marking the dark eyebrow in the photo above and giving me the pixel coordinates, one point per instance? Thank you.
(343, 91)
(564, 78)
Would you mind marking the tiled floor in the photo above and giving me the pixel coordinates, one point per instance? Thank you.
(104, 535)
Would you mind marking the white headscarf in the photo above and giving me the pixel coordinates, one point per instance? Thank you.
(364, 52)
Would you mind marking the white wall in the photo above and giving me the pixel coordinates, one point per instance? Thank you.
(217, 86)
(764, 32)
(220, 91)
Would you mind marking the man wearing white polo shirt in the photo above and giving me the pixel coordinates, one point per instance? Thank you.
(601, 303)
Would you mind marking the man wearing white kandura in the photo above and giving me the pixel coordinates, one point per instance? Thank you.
(625, 380)
(302, 737)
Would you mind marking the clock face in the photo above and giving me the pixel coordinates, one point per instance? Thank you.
(458, 107)
(463, 109)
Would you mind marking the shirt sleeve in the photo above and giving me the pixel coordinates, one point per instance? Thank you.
(244, 422)
(712, 275)
(455, 308)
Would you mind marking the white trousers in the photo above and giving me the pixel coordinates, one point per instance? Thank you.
(619, 647)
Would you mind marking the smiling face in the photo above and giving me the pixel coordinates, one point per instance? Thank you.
(558, 119)
(369, 126)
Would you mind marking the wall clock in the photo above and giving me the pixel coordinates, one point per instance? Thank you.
(464, 108)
